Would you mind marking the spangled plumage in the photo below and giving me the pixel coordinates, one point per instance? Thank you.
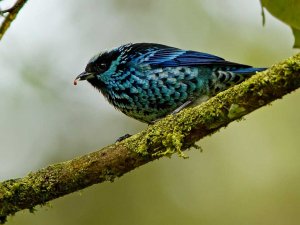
(148, 81)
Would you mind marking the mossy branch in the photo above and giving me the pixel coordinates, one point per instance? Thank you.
(172, 134)
(11, 15)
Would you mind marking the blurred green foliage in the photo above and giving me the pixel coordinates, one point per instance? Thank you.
(289, 12)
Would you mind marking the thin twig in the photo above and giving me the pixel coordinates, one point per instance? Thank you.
(12, 14)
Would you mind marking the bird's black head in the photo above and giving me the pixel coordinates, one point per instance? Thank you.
(97, 65)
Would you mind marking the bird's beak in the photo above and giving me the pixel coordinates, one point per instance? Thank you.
(83, 76)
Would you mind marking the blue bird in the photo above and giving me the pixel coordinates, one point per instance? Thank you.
(148, 81)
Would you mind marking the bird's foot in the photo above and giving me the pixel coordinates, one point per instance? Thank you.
(123, 137)
(184, 105)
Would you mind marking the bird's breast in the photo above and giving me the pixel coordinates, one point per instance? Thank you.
(151, 94)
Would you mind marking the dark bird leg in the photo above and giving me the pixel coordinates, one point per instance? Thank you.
(184, 105)
(123, 137)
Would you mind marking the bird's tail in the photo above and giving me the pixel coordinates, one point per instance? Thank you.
(241, 74)
(226, 79)
(248, 71)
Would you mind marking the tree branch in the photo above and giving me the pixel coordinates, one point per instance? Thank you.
(12, 14)
(172, 134)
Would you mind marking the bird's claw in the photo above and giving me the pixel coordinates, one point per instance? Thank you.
(123, 137)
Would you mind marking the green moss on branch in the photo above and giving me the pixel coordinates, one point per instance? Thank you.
(170, 135)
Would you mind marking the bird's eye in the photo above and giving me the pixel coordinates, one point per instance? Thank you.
(103, 66)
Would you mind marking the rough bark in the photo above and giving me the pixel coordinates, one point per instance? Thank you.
(173, 134)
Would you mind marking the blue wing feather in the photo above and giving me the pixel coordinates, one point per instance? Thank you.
(187, 58)
(165, 56)
(248, 70)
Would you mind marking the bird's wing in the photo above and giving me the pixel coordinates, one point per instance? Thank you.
(165, 56)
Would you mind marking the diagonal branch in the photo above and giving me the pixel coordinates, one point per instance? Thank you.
(172, 134)
(11, 15)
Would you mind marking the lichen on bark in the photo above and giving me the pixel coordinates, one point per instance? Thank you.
(173, 134)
